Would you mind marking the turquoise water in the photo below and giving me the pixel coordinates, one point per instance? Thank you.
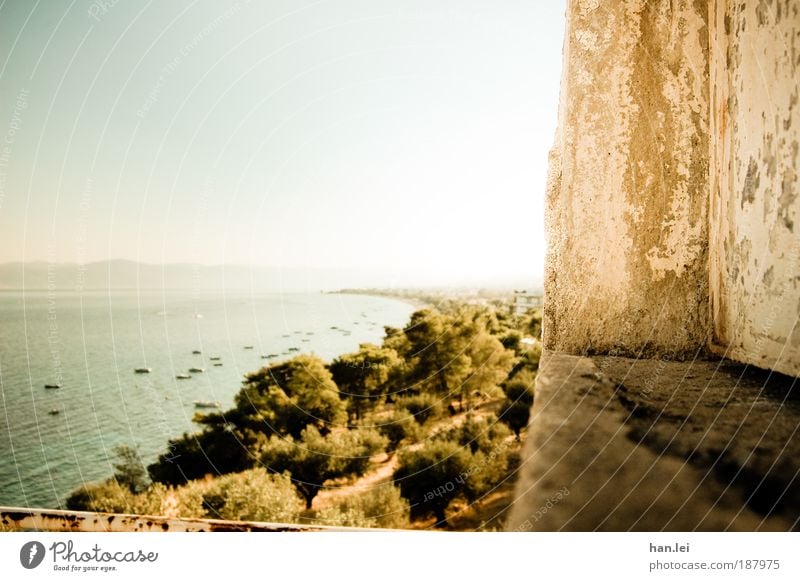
(90, 343)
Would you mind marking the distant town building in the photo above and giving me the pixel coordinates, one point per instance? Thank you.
(525, 302)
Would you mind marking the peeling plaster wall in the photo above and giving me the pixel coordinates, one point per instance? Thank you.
(627, 207)
(755, 234)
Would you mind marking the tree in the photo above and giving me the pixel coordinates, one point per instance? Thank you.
(313, 458)
(455, 353)
(218, 449)
(490, 362)
(287, 397)
(129, 470)
(280, 399)
(516, 408)
(398, 426)
(511, 340)
(362, 376)
(432, 476)
(487, 441)
(435, 352)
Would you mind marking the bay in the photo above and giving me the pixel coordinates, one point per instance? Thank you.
(52, 440)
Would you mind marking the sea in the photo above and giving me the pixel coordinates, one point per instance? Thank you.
(91, 343)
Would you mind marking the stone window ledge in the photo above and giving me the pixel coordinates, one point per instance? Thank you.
(618, 444)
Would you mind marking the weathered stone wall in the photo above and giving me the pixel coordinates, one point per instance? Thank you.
(755, 234)
(627, 208)
(672, 200)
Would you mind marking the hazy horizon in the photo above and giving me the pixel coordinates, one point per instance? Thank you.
(410, 138)
(124, 274)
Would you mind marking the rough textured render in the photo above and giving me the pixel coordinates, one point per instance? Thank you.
(627, 208)
(755, 234)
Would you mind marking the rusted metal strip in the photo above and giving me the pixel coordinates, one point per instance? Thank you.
(48, 520)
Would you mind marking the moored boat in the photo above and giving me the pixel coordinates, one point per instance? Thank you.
(207, 404)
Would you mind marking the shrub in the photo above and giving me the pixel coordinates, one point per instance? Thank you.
(184, 501)
(108, 496)
(252, 495)
(382, 506)
(422, 406)
(314, 458)
(487, 441)
(398, 426)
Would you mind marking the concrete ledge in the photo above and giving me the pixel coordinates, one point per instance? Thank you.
(620, 444)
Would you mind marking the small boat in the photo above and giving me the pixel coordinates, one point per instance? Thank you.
(196, 370)
(270, 356)
(207, 404)
(294, 349)
(334, 327)
(285, 335)
(305, 340)
(196, 352)
(248, 346)
(183, 376)
(310, 333)
(143, 370)
(52, 385)
(218, 365)
(54, 412)
(215, 358)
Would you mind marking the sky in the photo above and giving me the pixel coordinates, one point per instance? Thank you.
(402, 134)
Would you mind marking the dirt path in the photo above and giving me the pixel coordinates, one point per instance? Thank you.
(334, 493)
(384, 467)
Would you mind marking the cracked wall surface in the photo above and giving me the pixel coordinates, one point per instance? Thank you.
(628, 189)
(672, 207)
(755, 237)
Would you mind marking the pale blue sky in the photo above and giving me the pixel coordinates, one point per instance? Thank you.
(284, 133)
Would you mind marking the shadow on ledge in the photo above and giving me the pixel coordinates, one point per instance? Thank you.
(618, 444)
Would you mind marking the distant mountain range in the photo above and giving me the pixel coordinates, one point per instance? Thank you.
(126, 274)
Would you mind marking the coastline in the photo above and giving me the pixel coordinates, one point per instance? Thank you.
(417, 302)
(145, 411)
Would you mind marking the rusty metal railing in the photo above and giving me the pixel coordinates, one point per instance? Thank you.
(49, 520)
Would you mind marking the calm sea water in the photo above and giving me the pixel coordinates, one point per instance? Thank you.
(90, 343)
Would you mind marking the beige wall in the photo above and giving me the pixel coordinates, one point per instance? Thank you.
(755, 274)
(672, 198)
(628, 191)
